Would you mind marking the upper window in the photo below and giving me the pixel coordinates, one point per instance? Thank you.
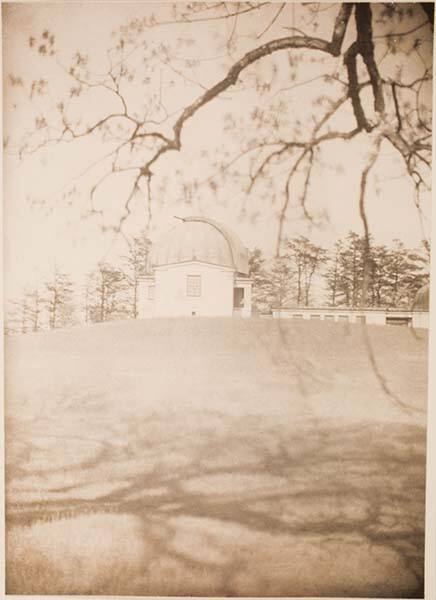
(193, 285)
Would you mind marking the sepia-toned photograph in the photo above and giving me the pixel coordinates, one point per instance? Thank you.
(217, 239)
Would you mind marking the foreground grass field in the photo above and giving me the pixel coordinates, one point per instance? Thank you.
(216, 457)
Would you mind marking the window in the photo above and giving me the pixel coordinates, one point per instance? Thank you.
(329, 317)
(360, 319)
(398, 320)
(193, 285)
(315, 316)
(343, 318)
(151, 292)
(295, 316)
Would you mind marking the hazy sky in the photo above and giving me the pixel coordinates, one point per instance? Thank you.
(42, 228)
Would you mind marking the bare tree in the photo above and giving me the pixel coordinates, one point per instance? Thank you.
(24, 313)
(58, 300)
(34, 309)
(16, 316)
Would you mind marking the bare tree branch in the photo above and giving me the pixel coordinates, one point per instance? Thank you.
(274, 19)
(402, 104)
(397, 108)
(330, 47)
(366, 50)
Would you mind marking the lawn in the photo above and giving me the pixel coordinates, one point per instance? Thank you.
(216, 457)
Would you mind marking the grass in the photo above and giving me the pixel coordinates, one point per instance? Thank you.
(216, 457)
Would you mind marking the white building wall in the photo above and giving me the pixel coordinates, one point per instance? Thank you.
(145, 298)
(375, 317)
(420, 319)
(171, 299)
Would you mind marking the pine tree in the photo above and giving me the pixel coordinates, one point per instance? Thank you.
(379, 276)
(107, 295)
(351, 270)
(282, 282)
(306, 259)
(393, 274)
(135, 262)
(261, 288)
(407, 273)
(332, 274)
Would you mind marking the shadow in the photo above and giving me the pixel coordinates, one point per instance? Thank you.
(255, 488)
(267, 462)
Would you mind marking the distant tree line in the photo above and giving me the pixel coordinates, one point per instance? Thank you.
(350, 275)
(347, 276)
(109, 293)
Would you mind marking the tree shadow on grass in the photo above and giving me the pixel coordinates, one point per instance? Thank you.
(255, 509)
(266, 495)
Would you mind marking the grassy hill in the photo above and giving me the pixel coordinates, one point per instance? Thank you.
(216, 457)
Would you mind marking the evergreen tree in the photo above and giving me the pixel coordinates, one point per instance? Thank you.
(306, 258)
(393, 275)
(135, 262)
(379, 276)
(406, 275)
(107, 295)
(282, 280)
(261, 288)
(332, 274)
(351, 270)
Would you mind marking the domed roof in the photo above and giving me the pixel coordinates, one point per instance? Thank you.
(200, 239)
(422, 298)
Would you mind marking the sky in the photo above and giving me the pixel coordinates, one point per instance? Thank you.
(45, 193)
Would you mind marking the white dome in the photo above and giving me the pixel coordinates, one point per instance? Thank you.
(203, 240)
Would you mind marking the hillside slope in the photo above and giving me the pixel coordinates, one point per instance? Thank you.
(216, 457)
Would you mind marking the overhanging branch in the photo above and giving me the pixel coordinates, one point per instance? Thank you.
(332, 47)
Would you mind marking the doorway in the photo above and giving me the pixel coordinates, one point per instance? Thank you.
(238, 297)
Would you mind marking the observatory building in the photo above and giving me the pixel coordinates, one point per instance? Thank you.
(199, 268)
